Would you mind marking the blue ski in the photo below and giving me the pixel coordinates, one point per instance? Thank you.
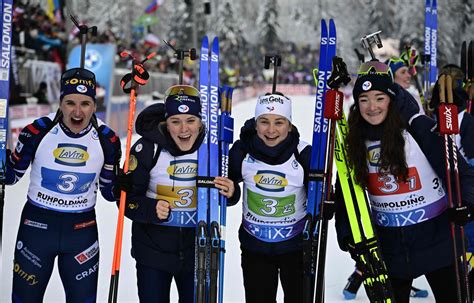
(433, 42)
(226, 137)
(213, 221)
(427, 51)
(202, 236)
(6, 38)
(314, 233)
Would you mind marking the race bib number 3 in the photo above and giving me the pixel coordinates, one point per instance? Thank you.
(180, 197)
(66, 182)
(380, 185)
(270, 206)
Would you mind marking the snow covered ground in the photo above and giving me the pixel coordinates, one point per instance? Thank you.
(338, 265)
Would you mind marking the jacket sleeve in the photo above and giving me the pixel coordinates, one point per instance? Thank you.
(467, 137)
(305, 158)
(138, 206)
(236, 156)
(343, 230)
(28, 141)
(423, 130)
(111, 147)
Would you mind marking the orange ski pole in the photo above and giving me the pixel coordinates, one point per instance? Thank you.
(139, 76)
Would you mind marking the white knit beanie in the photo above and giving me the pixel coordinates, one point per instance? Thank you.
(273, 104)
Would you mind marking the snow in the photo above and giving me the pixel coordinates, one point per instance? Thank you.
(338, 264)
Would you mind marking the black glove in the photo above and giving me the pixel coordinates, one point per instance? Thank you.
(123, 182)
(350, 247)
(459, 215)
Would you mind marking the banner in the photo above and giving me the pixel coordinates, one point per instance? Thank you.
(99, 58)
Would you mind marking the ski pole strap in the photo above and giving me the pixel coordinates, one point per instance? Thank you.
(204, 181)
(140, 75)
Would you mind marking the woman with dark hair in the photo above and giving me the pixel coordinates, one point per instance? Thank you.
(398, 158)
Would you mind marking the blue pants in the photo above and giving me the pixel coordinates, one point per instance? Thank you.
(44, 235)
(154, 285)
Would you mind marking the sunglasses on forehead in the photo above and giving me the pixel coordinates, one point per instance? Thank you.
(81, 72)
(374, 67)
(182, 90)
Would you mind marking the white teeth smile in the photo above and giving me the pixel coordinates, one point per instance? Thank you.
(185, 137)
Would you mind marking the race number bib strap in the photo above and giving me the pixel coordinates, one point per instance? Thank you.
(387, 216)
(181, 218)
(273, 233)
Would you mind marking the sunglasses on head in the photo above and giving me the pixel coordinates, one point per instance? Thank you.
(81, 72)
(374, 67)
(182, 90)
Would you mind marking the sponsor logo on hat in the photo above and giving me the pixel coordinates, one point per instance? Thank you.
(183, 108)
(366, 85)
(271, 99)
(270, 109)
(81, 88)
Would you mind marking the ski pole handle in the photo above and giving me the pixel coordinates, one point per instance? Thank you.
(447, 111)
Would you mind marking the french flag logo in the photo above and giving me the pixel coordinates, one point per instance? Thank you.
(153, 6)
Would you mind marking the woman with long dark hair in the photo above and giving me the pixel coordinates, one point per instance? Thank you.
(398, 158)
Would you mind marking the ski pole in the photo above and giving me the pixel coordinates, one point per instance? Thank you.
(448, 127)
(226, 133)
(129, 84)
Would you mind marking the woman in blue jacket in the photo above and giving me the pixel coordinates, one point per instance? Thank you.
(272, 163)
(162, 202)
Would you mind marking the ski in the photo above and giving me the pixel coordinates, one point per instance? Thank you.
(315, 230)
(426, 58)
(448, 128)
(208, 233)
(226, 137)
(6, 36)
(433, 43)
(202, 236)
(376, 283)
(213, 141)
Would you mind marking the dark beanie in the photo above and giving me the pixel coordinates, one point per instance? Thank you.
(78, 81)
(182, 103)
(368, 82)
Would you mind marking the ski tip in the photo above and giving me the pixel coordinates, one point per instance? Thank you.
(348, 295)
(215, 43)
(205, 40)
